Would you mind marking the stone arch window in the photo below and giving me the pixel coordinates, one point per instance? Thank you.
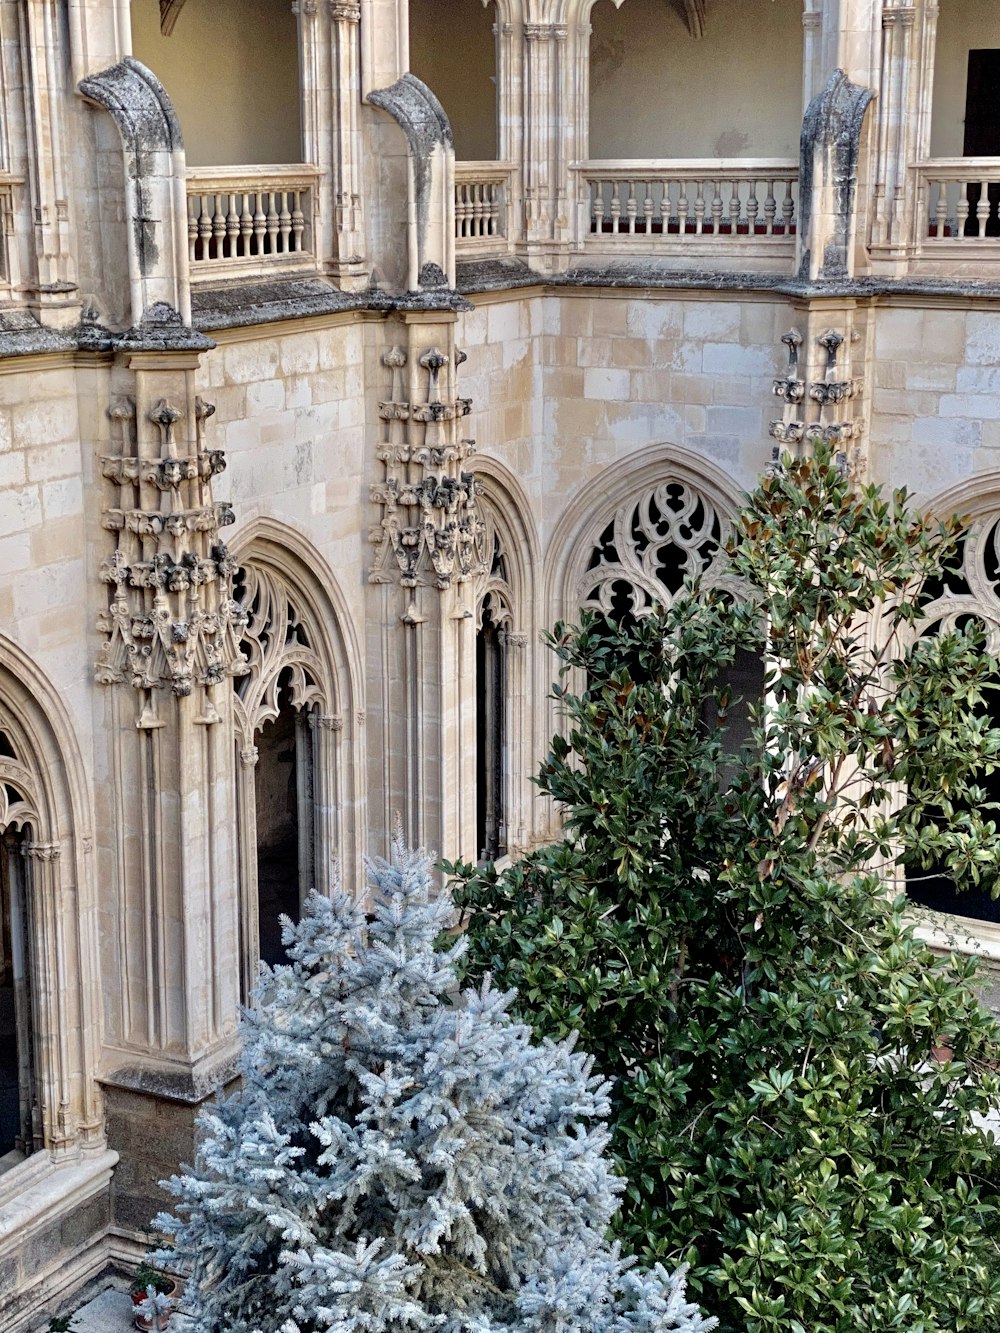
(288, 731)
(494, 624)
(968, 590)
(650, 546)
(453, 49)
(20, 1102)
(671, 532)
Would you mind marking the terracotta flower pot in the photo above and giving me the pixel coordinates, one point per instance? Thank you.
(160, 1322)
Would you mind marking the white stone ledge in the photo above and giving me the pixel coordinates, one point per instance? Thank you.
(36, 1194)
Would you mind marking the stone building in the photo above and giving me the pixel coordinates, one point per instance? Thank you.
(266, 270)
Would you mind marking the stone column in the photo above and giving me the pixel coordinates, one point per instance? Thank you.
(51, 284)
(172, 648)
(428, 552)
(903, 117)
(549, 136)
(349, 263)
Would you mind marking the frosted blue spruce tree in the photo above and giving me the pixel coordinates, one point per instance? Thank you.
(402, 1156)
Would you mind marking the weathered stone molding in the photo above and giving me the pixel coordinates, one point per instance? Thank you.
(155, 184)
(431, 176)
(828, 172)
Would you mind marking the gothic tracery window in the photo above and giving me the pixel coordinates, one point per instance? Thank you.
(492, 693)
(968, 589)
(649, 548)
(644, 555)
(282, 704)
(20, 1129)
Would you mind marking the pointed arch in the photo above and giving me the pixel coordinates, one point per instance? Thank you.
(969, 589)
(611, 499)
(507, 634)
(45, 806)
(302, 660)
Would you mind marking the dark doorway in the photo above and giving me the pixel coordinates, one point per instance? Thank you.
(17, 1082)
(283, 790)
(491, 695)
(982, 133)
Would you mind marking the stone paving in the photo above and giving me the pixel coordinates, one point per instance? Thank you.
(111, 1311)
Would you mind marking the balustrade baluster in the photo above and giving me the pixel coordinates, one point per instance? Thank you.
(682, 208)
(788, 207)
(480, 209)
(597, 207)
(271, 213)
(218, 227)
(647, 208)
(616, 205)
(983, 208)
(231, 246)
(631, 208)
(716, 208)
(246, 229)
(298, 222)
(284, 222)
(193, 229)
(259, 223)
(699, 209)
(735, 207)
(204, 228)
(770, 208)
(961, 209)
(752, 209)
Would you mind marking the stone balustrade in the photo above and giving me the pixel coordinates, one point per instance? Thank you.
(685, 205)
(680, 198)
(241, 219)
(483, 197)
(958, 200)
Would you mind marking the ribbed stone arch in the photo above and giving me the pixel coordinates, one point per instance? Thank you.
(508, 531)
(300, 640)
(609, 498)
(46, 799)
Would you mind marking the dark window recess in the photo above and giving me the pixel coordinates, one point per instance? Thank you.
(982, 131)
(491, 694)
(19, 1127)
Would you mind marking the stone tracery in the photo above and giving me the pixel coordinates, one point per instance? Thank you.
(645, 553)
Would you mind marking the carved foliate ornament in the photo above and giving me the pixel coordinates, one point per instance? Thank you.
(816, 409)
(171, 620)
(430, 528)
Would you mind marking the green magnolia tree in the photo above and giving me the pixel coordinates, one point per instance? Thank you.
(801, 1084)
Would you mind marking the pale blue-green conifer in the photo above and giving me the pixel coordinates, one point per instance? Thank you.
(403, 1156)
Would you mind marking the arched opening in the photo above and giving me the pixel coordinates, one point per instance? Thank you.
(280, 698)
(493, 700)
(965, 119)
(965, 591)
(20, 1127)
(231, 68)
(671, 79)
(285, 815)
(644, 554)
(453, 49)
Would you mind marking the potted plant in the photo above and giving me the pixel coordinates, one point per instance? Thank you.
(151, 1293)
